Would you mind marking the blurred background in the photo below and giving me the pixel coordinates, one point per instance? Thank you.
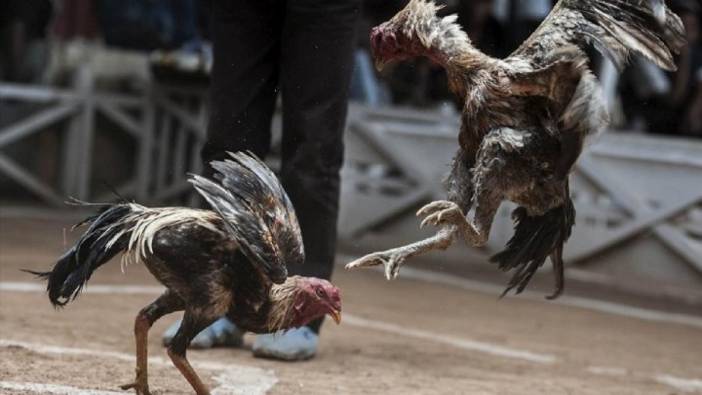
(106, 96)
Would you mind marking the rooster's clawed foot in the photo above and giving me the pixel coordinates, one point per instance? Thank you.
(140, 385)
(442, 212)
(391, 259)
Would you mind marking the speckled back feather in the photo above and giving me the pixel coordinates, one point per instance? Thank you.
(256, 210)
(141, 224)
(616, 28)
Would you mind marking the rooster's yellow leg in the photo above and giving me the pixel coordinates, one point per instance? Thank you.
(165, 304)
(193, 322)
(394, 258)
(188, 372)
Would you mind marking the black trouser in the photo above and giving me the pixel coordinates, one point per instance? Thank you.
(304, 48)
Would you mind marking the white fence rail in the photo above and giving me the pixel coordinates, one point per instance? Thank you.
(79, 106)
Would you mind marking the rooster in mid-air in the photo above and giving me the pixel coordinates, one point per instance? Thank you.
(230, 261)
(524, 120)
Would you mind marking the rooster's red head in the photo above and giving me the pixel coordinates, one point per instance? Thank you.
(417, 31)
(316, 298)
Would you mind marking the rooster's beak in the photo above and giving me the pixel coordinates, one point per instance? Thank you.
(336, 316)
(379, 64)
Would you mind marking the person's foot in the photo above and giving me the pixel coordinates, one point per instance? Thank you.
(294, 345)
(222, 333)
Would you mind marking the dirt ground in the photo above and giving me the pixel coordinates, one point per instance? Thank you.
(403, 337)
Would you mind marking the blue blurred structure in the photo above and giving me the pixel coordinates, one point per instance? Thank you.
(148, 25)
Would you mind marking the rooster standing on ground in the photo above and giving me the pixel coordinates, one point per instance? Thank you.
(230, 261)
(524, 120)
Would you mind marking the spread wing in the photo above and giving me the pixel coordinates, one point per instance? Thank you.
(257, 212)
(615, 27)
(557, 65)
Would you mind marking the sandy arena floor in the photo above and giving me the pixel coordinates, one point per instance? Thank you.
(405, 337)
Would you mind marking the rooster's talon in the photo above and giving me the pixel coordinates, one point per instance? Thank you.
(444, 213)
(391, 261)
(441, 212)
(433, 219)
(368, 260)
(434, 206)
(139, 388)
(424, 223)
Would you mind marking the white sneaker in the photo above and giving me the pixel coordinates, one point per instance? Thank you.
(293, 345)
(222, 333)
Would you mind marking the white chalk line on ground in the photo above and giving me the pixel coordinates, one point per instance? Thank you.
(573, 301)
(231, 378)
(53, 389)
(679, 383)
(466, 344)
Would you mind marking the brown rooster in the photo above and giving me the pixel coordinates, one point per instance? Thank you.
(524, 120)
(230, 261)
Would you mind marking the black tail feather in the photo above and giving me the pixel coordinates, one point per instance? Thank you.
(559, 279)
(41, 275)
(536, 238)
(75, 267)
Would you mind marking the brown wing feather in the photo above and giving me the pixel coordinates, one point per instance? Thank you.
(256, 211)
(615, 27)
